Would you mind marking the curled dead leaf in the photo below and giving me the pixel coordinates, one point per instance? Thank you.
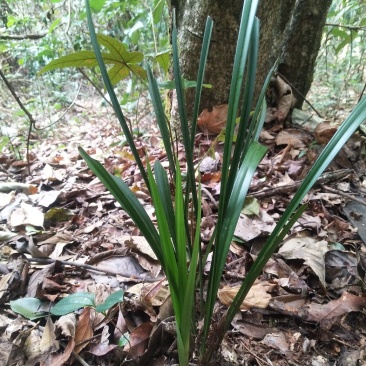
(213, 122)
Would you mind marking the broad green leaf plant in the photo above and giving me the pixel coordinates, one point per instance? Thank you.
(175, 239)
(124, 62)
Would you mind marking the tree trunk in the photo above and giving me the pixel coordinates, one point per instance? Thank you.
(289, 28)
(274, 19)
(301, 45)
(191, 20)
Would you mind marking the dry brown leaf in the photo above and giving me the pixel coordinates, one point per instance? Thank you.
(257, 297)
(213, 122)
(324, 132)
(60, 359)
(67, 325)
(310, 250)
(328, 314)
(84, 330)
(276, 341)
(286, 99)
(290, 137)
(139, 339)
(48, 342)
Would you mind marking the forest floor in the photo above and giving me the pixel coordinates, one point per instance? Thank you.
(62, 232)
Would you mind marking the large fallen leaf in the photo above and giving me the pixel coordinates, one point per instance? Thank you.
(285, 98)
(276, 341)
(308, 249)
(327, 314)
(305, 119)
(258, 296)
(67, 325)
(295, 138)
(249, 228)
(26, 215)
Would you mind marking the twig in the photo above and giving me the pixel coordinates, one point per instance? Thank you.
(350, 27)
(344, 194)
(93, 268)
(24, 36)
(209, 195)
(324, 178)
(63, 114)
(302, 96)
(82, 362)
(259, 359)
(25, 110)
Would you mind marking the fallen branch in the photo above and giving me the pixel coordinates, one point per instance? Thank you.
(24, 36)
(96, 269)
(25, 110)
(344, 194)
(288, 188)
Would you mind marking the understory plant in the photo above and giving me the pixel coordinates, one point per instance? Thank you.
(175, 239)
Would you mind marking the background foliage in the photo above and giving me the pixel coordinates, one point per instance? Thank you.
(142, 26)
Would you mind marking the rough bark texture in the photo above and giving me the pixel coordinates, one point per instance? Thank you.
(292, 28)
(274, 19)
(301, 45)
(191, 19)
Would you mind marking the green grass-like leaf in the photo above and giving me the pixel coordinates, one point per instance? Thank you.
(128, 202)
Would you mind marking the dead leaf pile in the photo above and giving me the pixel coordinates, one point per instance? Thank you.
(62, 233)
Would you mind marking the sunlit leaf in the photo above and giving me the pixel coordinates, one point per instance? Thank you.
(163, 59)
(158, 11)
(123, 61)
(97, 5)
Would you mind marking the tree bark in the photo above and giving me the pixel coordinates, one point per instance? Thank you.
(301, 45)
(289, 28)
(191, 18)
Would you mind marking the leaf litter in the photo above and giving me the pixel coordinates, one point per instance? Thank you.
(62, 233)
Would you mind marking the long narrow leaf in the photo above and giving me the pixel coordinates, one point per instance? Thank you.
(171, 268)
(242, 143)
(201, 71)
(128, 201)
(112, 95)
(183, 119)
(161, 118)
(345, 131)
(166, 199)
(231, 215)
(243, 43)
(187, 320)
(180, 229)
